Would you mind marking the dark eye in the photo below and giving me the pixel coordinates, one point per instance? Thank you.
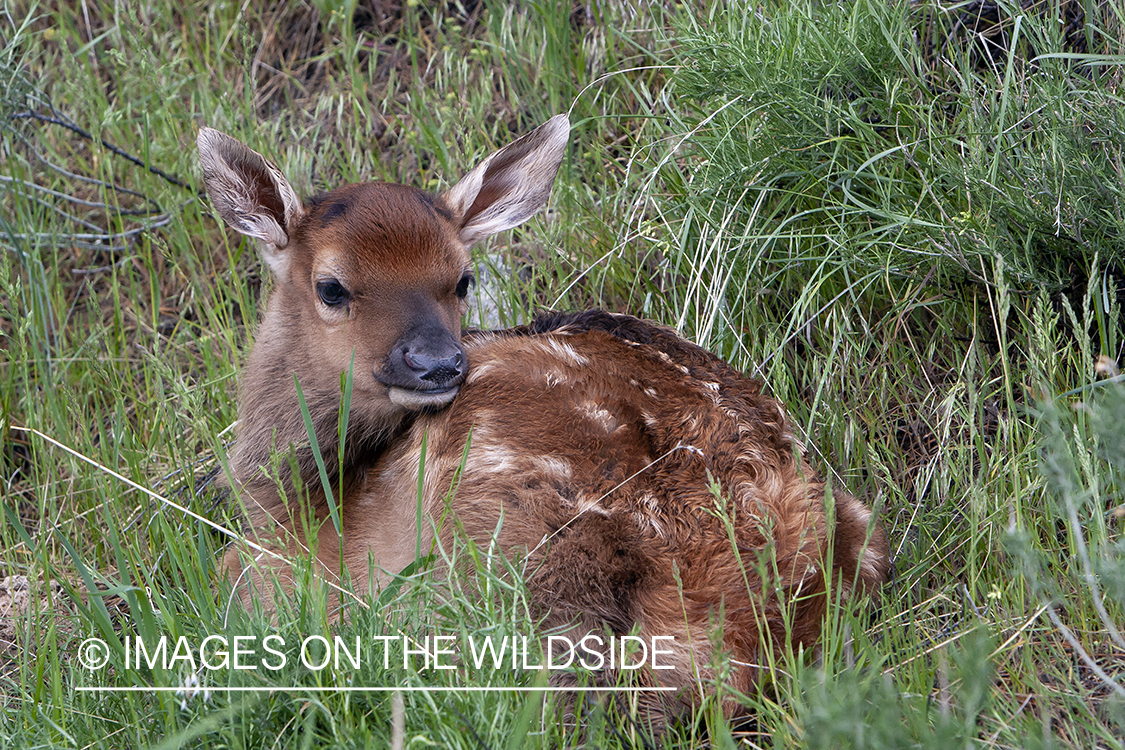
(463, 285)
(332, 293)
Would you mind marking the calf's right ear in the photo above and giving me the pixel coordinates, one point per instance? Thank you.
(250, 194)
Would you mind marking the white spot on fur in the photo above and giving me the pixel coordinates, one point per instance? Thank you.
(649, 516)
(566, 353)
(598, 415)
(664, 356)
(479, 372)
(588, 505)
(494, 458)
(553, 377)
(482, 428)
(651, 392)
(554, 468)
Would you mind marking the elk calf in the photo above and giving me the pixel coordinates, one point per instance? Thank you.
(648, 486)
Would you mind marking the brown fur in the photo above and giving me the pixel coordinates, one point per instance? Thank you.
(595, 440)
(369, 254)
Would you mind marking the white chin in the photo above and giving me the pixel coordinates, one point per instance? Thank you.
(416, 400)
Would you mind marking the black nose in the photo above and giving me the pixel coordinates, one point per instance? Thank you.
(434, 367)
(427, 358)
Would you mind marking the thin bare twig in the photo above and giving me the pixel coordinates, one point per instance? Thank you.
(73, 127)
(100, 269)
(1093, 665)
(81, 201)
(46, 238)
(81, 177)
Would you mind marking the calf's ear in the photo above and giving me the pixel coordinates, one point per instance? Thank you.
(511, 185)
(251, 194)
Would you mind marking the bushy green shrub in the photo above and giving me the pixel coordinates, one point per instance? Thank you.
(831, 134)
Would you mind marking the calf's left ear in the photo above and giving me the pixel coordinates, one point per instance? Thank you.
(511, 185)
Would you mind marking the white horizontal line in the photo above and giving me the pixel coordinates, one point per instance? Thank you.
(193, 690)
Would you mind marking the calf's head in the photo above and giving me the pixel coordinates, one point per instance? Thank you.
(376, 271)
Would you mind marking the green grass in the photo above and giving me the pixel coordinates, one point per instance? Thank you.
(921, 254)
